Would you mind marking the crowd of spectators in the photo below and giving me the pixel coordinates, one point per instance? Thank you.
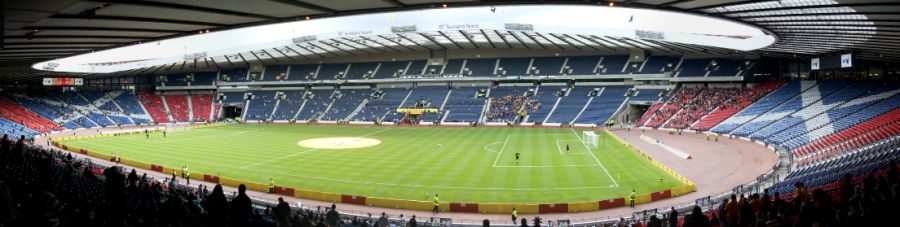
(689, 105)
(510, 107)
(41, 187)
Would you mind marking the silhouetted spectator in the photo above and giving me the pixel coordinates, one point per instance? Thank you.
(216, 206)
(240, 208)
(696, 219)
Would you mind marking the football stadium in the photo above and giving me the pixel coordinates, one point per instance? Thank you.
(449, 113)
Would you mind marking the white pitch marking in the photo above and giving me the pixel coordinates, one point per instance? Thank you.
(596, 159)
(501, 151)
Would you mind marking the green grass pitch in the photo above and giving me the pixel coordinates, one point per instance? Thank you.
(472, 165)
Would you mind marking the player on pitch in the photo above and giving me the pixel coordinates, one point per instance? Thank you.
(567, 149)
(517, 158)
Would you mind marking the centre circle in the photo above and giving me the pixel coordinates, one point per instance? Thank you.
(339, 143)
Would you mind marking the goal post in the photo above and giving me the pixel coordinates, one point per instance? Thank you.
(590, 139)
(171, 128)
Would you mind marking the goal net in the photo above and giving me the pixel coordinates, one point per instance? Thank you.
(174, 128)
(590, 139)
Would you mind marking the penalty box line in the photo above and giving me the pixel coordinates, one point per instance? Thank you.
(596, 159)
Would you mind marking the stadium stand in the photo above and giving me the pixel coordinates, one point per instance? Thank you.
(432, 97)
(463, 105)
(261, 106)
(513, 66)
(740, 101)
(154, 105)
(289, 106)
(315, 105)
(346, 104)
(546, 97)
(201, 105)
(18, 114)
(570, 105)
(378, 108)
(582, 65)
(657, 64)
(602, 107)
(506, 102)
(480, 67)
(762, 106)
(178, 107)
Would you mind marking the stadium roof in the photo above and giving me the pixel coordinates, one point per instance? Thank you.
(40, 30)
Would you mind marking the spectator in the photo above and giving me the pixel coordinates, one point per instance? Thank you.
(283, 213)
(695, 219)
(240, 208)
(332, 216)
(216, 206)
(673, 217)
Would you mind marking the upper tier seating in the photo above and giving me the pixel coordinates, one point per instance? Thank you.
(727, 67)
(693, 68)
(233, 75)
(359, 70)
(657, 64)
(274, 73)
(204, 78)
(513, 66)
(612, 64)
(546, 65)
(302, 72)
(390, 69)
(481, 67)
(582, 65)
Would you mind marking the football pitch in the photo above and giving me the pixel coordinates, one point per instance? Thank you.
(471, 165)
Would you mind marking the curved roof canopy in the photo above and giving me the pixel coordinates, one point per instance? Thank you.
(41, 30)
(543, 20)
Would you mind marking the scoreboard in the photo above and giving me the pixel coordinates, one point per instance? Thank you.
(63, 81)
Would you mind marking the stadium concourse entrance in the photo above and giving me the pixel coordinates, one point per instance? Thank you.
(229, 112)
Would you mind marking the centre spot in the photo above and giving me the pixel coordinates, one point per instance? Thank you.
(339, 143)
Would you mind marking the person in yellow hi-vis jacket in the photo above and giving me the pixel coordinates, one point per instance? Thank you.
(271, 185)
(631, 198)
(515, 215)
(436, 203)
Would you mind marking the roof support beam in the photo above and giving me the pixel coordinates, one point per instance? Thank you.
(186, 7)
(138, 19)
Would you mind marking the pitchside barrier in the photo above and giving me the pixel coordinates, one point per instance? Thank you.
(487, 208)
